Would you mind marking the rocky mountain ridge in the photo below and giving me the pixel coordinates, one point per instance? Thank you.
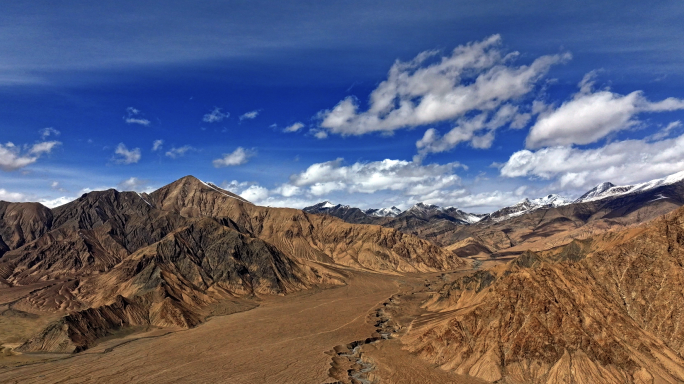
(114, 259)
(605, 309)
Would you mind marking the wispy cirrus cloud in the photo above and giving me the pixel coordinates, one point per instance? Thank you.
(157, 145)
(179, 152)
(134, 116)
(294, 127)
(249, 115)
(215, 116)
(47, 132)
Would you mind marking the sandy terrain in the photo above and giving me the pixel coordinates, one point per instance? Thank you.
(282, 341)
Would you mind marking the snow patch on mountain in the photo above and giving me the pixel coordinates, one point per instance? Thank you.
(605, 190)
(383, 212)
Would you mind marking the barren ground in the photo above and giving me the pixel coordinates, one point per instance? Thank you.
(284, 340)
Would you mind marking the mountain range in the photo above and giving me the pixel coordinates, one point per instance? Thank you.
(547, 291)
(535, 224)
(113, 259)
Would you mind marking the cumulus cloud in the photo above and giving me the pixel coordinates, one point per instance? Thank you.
(157, 145)
(11, 196)
(53, 203)
(319, 133)
(215, 116)
(462, 198)
(179, 152)
(13, 157)
(477, 76)
(394, 175)
(592, 115)
(237, 157)
(282, 196)
(478, 130)
(407, 182)
(249, 115)
(294, 127)
(622, 162)
(123, 155)
(47, 132)
(134, 184)
(134, 116)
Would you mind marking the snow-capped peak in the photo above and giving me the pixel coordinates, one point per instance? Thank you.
(422, 207)
(595, 192)
(326, 204)
(550, 200)
(605, 190)
(383, 212)
(527, 205)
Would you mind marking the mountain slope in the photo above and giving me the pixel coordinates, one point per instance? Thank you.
(608, 309)
(116, 259)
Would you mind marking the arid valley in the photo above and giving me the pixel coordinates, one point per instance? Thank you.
(193, 283)
(341, 192)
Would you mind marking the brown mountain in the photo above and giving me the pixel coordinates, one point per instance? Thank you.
(114, 259)
(529, 225)
(607, 309)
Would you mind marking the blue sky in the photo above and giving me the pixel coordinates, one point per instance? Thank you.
(370, 104)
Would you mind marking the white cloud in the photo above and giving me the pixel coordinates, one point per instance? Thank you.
(11, 196)
(57, 187)
(394, 175)
(47, 132)
(478, 130)
(44, 147)
(237, 157)
(288, 190)
(255, 193)
(283, 196)
(12, 157)
(294, 127)
(125, 156)
(319, 133)
(215, 116)
(665, 132)
(52, 203)
(179, 152)
(249, 115)
(157, 145)
(464, 199)
(133, 117)
(592, 115)
(622, 162)
(134, 184)
(476, 77)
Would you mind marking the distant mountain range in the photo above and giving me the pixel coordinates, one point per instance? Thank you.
(553, 218)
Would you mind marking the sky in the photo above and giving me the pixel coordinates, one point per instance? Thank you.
(476, 105)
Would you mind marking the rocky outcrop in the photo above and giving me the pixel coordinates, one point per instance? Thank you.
(22, 223)
(608, 309)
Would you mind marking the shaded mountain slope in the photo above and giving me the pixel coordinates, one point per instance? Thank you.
(21, 223)
(115, 259)
(607, 309)
(309, 236)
